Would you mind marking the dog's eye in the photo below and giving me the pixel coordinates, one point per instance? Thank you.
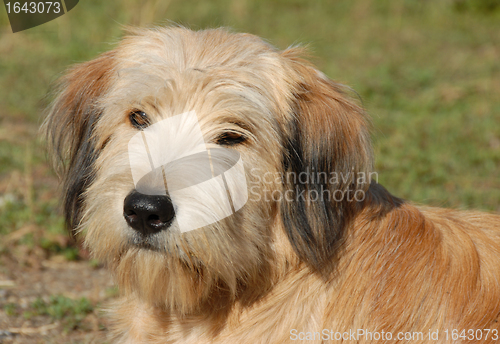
(139, 119)
(230, 138)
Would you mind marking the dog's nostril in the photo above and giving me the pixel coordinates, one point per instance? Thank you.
(129, 212)
(154, 220)
(148, 214)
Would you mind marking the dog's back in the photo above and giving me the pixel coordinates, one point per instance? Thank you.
(410, 268)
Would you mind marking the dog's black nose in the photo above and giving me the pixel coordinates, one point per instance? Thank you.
(148, 214)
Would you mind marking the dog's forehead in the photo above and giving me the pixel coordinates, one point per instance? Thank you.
(182, 49)
(181, 70)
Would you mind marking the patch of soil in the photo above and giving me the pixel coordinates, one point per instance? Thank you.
(21, 286)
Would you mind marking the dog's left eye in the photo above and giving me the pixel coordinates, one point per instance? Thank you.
(230, 138)
(139, 119)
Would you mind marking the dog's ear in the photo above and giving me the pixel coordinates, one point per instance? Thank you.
(327, 151)
(69, 128)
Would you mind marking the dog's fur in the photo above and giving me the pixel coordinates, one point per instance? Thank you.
(380, 264)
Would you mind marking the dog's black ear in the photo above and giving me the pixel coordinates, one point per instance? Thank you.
(69, 128)
(327, 152)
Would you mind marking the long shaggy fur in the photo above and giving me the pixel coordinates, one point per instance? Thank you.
(278, 265)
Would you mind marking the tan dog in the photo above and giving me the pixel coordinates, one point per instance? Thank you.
(319, 252)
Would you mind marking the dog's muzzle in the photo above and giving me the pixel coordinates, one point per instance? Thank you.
(148, 214)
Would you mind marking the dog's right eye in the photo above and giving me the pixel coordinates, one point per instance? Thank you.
(139, 119)
(231, 138)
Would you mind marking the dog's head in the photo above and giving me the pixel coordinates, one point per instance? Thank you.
(198, 105)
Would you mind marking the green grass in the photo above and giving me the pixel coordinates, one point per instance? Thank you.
(10, 309)
(427, 71)
(60, 308)
(70, 313)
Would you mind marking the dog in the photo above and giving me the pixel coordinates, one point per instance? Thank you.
(310, 247)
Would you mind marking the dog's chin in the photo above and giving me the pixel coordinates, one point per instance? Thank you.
(154, 242)
(172, 271)
(163, 243)
(175, 282)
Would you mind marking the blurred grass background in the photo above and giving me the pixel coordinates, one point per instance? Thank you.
(428, 73)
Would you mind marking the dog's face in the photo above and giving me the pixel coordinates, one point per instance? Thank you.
(268, 109)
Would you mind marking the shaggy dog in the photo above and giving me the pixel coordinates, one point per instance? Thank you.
(313, 251)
